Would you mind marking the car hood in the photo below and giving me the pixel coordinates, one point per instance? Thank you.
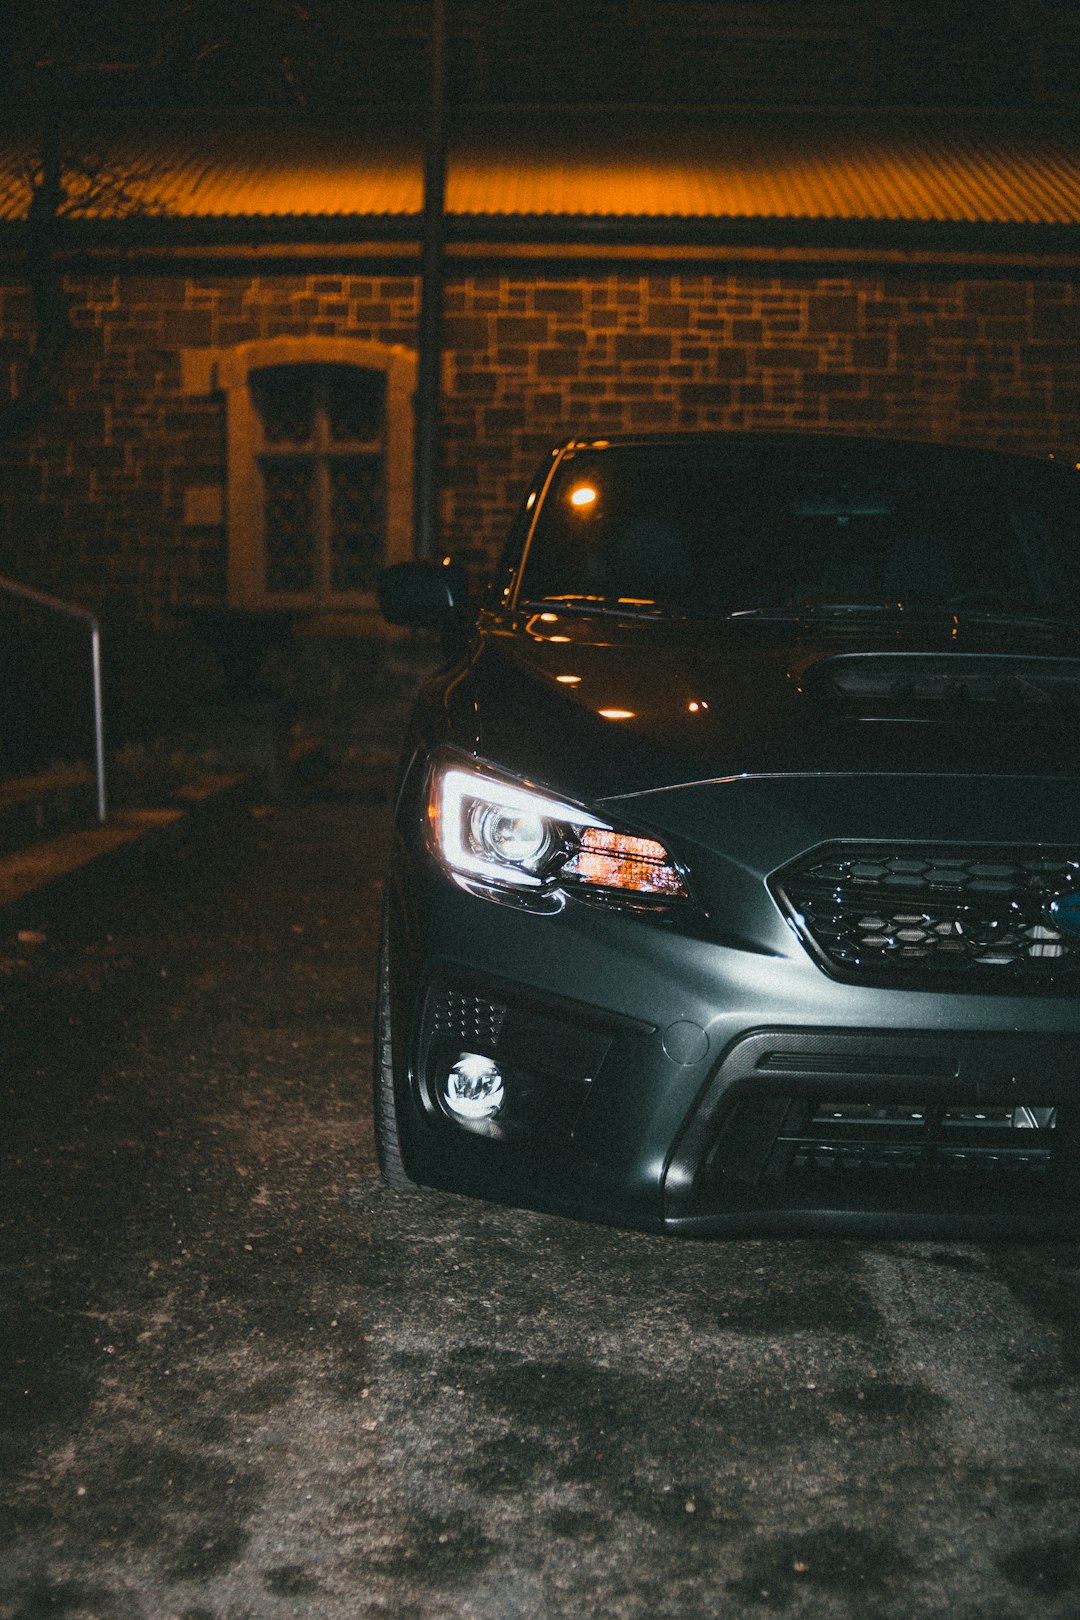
(601, 708)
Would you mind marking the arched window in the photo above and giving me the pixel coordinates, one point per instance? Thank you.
(320, 459)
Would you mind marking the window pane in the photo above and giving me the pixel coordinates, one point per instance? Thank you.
(357, 522)
(289, 484)
(354, 402)
(284, 397)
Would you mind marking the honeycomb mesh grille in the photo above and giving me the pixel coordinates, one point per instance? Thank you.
(937, 914)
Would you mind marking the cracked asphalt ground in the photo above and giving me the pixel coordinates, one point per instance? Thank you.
(241, 1381)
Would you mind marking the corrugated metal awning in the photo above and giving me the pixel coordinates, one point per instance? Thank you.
(845, 168)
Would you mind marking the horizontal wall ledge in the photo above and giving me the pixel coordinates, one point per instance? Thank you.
(245, 246)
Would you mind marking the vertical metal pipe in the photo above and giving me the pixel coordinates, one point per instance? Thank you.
(428, 436)
(99, 724)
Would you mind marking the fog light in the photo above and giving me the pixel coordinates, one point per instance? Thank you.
(474, 1087)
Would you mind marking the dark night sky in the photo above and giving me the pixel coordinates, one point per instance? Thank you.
(327, 53)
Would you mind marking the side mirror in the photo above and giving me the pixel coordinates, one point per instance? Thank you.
(427, 596)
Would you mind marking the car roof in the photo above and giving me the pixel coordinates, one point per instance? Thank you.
(784, 440)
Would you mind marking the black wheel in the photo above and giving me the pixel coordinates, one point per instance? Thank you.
(387, 1135)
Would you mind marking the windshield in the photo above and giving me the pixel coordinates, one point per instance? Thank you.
(749, 524)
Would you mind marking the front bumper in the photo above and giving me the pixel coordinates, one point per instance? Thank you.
(670, 1082)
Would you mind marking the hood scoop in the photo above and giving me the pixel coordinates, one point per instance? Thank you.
(889, 683)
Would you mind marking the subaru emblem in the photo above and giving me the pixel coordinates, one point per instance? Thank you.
(1064, 912)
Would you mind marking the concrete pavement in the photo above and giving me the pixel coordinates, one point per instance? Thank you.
(239, 1380)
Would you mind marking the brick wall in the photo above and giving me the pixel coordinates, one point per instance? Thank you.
(95, 507)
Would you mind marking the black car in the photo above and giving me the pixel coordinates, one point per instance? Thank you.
(736, 868)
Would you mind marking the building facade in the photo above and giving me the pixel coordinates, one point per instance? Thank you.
(194, 457)
(232, 423)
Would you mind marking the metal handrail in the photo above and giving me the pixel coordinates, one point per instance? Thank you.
(54, 605)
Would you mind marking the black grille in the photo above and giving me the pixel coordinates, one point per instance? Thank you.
(911, 1137)
(473, 1022)
(936, 915)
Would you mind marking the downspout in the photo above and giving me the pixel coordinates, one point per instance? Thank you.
(428, 388)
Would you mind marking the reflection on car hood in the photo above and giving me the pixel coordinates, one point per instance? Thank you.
(599, 708)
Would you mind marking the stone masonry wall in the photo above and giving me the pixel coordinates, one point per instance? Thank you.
(95, 507)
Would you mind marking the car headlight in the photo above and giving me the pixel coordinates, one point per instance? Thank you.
(503, 833)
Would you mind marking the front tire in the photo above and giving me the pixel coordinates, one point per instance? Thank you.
(387, 1132)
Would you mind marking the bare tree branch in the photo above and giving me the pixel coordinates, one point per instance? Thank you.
(279, 45)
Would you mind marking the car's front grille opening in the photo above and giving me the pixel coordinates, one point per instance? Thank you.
(939, 915)
(916, 1137)
(983, 1131)
(845, 1152)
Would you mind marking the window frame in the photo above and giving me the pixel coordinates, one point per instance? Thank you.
(228, 372)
